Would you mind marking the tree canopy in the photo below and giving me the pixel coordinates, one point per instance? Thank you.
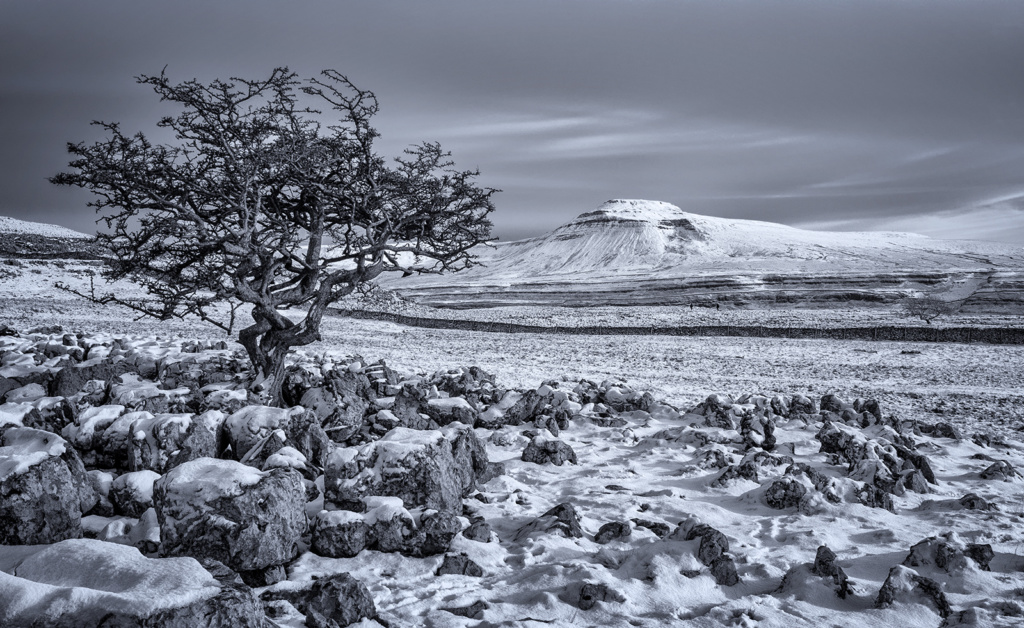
(264, 199)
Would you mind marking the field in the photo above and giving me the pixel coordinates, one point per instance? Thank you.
(643, 469)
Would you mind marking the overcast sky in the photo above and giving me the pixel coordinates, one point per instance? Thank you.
(903, 114)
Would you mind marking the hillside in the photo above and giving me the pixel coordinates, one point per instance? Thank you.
(26, 239)
(634, 251)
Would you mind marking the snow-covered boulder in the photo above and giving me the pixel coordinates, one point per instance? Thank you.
(85, 582)
(25, 394)
(132, 493)
(332, 601)
(252, 425)
(225, 510)
(43, 488)
(543, 450)
(136, 393)
(71, 379)
(416, 466)
(385, 526)
(164, 441)
(905, 586)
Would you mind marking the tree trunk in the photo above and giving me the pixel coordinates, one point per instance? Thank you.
(267, 356)
(269, 341)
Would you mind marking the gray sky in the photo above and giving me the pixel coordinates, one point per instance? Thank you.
(903, 114)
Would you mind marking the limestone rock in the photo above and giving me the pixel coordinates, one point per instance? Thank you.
(128, 590)
(906, 585)
(786, 492)
(416, 466)
(543, 451)
(43, 488)
(611, 531)
(230, 512)
(460, 565)
(132, 493)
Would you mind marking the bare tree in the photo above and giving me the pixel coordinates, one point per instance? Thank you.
(259, 200)
(929, 308)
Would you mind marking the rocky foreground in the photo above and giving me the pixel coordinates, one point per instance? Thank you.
(141, 484)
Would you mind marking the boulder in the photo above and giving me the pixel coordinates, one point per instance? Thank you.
(446, 410)
(163, 441)
(340, 534)
(747, 470)
(94, 583)
(227, 511)
(473, 611)
(825, 565)
(338, 600)
(1000, 470)
(949, 553)
(712, 542)
(611, 531)
(906, 585)
(416, 466)
(459, 565)
(562, 520)
(661, 530)
(723, 569)
(71, 379)
(479, 531)
(136, 393)
(973, 501)
(542, 450)
(250, 425)
(341, 418)
(43, 488)
(472, 465)
(52, 414)
(132, 493)
(591, 593)
(25, 394)
(385, 526)
(786, 492)
(435, 534)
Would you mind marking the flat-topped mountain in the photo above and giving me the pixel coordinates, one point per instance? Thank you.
(636, 251)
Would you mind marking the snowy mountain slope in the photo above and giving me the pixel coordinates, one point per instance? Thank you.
(10, 225)
(36, 240)
(630, 251)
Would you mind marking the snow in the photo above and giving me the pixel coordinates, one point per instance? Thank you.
(25, 227)
(252, 421)
(286, 457)
(208, 479)
(139, 483)
(628, 473)
(134, 389)
(450, 403)
(384, 509)
(14, 413)
(653, 252)
(88, 579)
(24, 447)
(28, 393)
(90, 423)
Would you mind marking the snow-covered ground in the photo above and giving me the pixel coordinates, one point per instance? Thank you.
(658, 472)
(653, 468)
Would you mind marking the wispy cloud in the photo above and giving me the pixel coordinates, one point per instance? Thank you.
(999, 219)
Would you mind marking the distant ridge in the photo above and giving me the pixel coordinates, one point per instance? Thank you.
(26, 239)
(25, 227)
(630, 251)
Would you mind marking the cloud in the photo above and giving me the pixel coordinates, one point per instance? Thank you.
(998, 220)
